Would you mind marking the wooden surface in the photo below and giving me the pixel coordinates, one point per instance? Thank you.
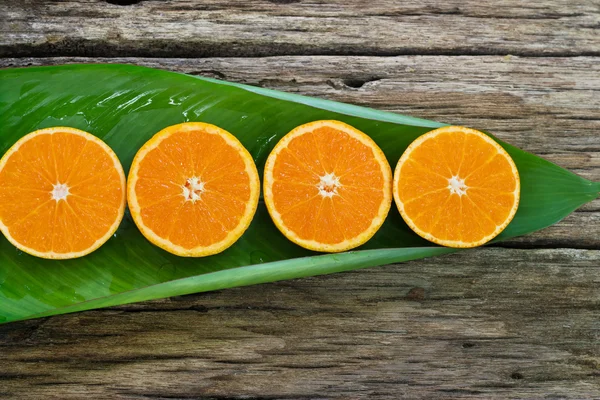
(520, 321)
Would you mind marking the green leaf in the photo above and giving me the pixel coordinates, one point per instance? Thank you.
(125, 105)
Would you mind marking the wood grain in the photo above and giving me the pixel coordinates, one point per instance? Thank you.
(520, 322)
(547, 106)
(487, 323)
(216, 28)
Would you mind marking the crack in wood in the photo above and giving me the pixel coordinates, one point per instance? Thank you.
(79, 47)
(123, 2)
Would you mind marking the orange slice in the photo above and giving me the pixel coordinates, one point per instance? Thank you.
(327, 186)
(62, 193)
(193, 189)
(456, 187)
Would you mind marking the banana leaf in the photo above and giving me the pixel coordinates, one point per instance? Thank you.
(125, 105)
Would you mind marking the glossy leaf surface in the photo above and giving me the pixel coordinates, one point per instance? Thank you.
(125, 105)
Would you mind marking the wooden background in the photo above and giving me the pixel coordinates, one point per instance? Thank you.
(517, 321)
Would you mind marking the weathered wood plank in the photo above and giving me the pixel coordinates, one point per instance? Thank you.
(189, 28)
(547, 106)
(487, 323)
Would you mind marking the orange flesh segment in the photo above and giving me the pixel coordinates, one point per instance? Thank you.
(86, 217)
(356, 192)
(226, 198)
(456, 187)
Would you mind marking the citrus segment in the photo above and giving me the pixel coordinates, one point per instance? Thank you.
(327, 186)
(62, 193)
(457, 187)
(193, 189)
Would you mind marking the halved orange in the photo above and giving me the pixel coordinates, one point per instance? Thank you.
(62, 193)
(456, 187)
(193, 189)
(327, 186)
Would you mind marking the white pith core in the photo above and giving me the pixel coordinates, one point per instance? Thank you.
(60, 192)
(328, 185)
(457, 186)
(192, 189)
